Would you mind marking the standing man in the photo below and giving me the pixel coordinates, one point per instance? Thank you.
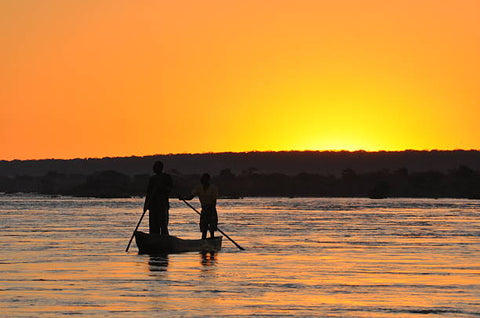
(156, 200)
(208, 194)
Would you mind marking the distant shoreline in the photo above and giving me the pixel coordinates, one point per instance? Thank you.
(405, 174)
(459, 182)
(283, 162)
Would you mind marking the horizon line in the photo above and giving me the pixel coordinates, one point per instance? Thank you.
(241, 152)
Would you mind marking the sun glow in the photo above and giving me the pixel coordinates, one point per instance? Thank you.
(338, 142)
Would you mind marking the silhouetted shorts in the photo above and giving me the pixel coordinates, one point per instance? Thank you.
(208, 218)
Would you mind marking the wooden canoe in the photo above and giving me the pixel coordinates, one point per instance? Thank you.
(158, 244)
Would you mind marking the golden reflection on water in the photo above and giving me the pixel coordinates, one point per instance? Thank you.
(365, 262)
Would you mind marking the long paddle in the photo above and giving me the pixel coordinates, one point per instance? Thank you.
(133, 234)
(228, 237)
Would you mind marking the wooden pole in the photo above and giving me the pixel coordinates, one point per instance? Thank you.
(228, 237)
(136, 228)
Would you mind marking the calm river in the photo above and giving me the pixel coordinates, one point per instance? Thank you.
(304, 257)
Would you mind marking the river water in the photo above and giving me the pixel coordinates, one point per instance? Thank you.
(304, 257)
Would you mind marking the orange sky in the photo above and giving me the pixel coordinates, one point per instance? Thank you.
(95, 78)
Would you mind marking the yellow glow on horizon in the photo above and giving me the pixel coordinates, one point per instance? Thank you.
(340, 143)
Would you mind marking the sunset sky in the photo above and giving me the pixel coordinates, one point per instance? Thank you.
(96, 78)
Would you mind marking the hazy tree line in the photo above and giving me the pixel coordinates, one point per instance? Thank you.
(461, 182)
(284, 162)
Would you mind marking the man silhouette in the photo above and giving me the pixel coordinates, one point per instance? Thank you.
(156, 200)
(207, 194)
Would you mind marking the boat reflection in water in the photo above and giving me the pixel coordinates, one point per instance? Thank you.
(208, 258)
(158, 263)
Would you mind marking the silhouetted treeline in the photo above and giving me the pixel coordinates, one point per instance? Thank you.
(284, 162)
(461, 182)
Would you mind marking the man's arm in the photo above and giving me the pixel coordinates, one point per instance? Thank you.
(170, 184)
(148, 195)
(215, 195)
(189, 197)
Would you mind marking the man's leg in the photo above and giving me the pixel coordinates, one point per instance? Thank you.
(153, 222)
(203, 224)
(164, 227)
(213, 221)
(164, 222)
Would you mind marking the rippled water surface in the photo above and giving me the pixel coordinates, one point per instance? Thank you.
(304, 257)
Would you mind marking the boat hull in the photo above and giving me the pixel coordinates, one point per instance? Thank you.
(158, 244)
